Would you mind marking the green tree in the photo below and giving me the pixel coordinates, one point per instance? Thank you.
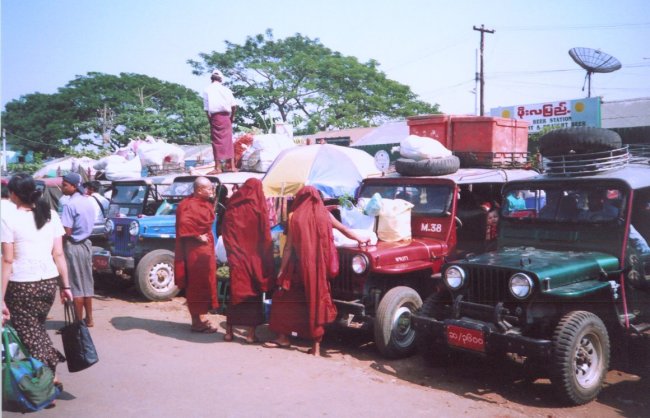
(115, 108)
(308, 85)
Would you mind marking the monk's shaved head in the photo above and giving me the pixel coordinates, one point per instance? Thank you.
(202, 188)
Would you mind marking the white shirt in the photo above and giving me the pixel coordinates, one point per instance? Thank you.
(32, 247)
(99, 210)
(218, 98)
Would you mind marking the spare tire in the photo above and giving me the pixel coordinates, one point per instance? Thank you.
(427, 167)
(580, 140)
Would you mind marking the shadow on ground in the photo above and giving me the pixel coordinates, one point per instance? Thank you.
(495, 381)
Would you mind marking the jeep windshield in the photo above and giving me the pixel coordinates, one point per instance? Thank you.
(127, 200)
(565, 203)
(427, 199)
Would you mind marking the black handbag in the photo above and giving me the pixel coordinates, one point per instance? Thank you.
(78, 346)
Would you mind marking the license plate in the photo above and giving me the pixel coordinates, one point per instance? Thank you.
(119, 228)
(469, 339)
(100, 262)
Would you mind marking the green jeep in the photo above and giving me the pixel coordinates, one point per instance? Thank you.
(569, 282)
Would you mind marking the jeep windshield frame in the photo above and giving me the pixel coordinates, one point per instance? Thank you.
(565, 215)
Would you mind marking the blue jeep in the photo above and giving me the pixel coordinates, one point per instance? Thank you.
(141, 233)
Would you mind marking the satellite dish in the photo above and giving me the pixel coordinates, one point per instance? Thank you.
(594, 61)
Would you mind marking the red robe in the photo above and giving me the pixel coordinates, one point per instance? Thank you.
(307, 304)
(195, 268)
(247, 237)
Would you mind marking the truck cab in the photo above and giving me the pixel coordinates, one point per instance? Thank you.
(380, 286)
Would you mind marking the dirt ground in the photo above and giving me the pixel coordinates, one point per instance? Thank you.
(151, 365)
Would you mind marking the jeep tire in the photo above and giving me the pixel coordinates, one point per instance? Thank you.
(394, 333)
(581, 140)
(154, 276)
(580, 357)
(427, 167)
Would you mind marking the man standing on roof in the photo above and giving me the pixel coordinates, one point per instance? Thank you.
(219, 104)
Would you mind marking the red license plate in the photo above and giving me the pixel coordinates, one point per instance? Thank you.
(100, 262)
(470, 339)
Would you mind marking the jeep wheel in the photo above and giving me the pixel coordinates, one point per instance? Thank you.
(394, 334)
(434, 353)
(580, 140)
(580, 357)
(154, 276)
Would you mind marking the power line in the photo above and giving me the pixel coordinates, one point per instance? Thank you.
(576, 27)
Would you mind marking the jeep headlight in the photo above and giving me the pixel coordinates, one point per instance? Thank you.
(359, 263)
(109, 226)
(521, 285)
(454, 277)
(134, 227)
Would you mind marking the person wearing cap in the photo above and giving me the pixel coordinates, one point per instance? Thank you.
(78, 218)
(220, 106)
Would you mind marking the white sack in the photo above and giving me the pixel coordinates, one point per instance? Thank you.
(422, 148)
(220, 249)
(354, 218)
(394, 220)
(159, 152)
(123, 169)
(341, 240)
(263, 151)
(106, 161)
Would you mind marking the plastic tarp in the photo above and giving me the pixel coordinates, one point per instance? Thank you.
(65, 165)
(332, 169)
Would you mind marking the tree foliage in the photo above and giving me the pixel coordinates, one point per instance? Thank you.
(308, 85)
(115, 108)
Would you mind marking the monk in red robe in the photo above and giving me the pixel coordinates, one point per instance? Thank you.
(303, 304)
(247, 237)
(195, 265)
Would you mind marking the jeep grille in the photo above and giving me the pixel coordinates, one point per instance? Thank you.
(121, 239)
(487, 286)
(343, 283)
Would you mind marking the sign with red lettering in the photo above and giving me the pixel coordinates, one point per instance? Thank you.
(554, 115)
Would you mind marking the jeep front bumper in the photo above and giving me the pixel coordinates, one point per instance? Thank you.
(492, 340)
(122, 263)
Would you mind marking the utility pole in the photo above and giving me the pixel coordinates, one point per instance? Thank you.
(4, 150)
(483, 31)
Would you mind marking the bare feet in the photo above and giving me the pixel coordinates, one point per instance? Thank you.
(315, 349)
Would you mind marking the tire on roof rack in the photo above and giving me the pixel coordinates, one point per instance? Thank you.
(428, 167)
(580, 140)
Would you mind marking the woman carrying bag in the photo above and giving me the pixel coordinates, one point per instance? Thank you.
(33, 265)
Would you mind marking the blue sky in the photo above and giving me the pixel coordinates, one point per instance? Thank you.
(428, 45)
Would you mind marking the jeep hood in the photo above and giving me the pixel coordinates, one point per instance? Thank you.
(160, 226)
(402, 256)
(561, 267)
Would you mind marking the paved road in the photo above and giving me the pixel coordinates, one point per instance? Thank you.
(151, 365)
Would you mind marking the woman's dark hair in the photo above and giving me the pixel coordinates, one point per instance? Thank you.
(24, 187)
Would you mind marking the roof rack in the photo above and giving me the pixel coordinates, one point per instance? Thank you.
(639, 153)
(586, 164)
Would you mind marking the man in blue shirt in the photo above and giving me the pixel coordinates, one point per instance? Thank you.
(78, 218)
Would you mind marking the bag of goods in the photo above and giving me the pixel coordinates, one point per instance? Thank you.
(421, 148)
(341, 240)
(394, 220)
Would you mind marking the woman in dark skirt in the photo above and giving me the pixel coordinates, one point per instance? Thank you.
(33, 265)
(247, 238)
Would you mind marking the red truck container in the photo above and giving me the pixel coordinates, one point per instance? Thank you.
(481, 140)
